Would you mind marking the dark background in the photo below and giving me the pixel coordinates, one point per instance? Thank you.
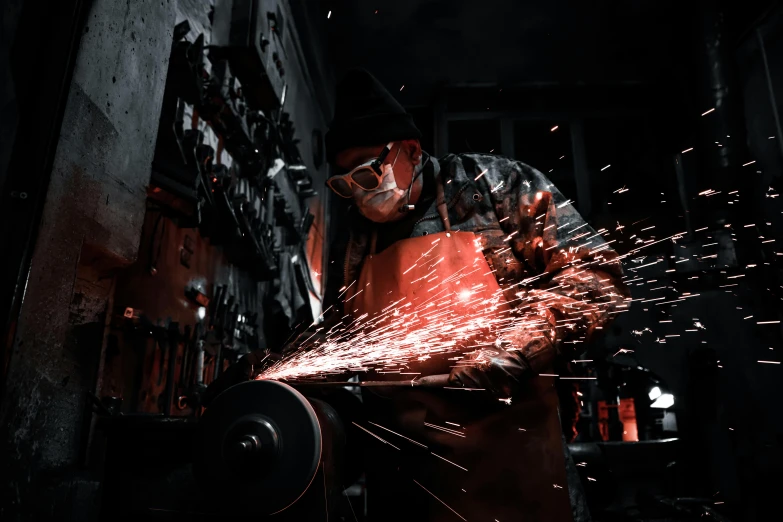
(626, 84)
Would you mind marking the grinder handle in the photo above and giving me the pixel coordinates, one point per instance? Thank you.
(428, 381)
(433, 381)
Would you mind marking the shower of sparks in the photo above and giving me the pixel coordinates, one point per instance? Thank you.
(376, 436)
(443, 318)
(454, 324)
(450, 462)
(399, 435)
(407, 332)
(445, 430)
(439, 500)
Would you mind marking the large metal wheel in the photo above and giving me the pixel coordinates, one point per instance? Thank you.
(258, 447)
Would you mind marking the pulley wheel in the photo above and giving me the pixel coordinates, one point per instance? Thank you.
(258, 447)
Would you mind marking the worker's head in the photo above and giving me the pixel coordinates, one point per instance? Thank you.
(372, 146)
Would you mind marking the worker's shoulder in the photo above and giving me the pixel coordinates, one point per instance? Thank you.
(471, 159)
(490, 166)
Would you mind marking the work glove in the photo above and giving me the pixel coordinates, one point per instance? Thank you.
(499, 371)
(503, 371)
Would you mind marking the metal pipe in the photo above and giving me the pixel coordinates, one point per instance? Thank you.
(581, 171)
(683, 192)
(779, 137)
(429, 381)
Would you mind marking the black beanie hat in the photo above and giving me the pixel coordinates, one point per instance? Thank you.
(366, 114)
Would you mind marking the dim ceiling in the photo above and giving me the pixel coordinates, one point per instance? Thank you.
(424, 44)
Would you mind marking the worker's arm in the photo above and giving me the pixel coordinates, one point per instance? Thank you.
(575, 282)
(571, 278)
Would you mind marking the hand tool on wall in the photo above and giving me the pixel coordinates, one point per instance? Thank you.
(182, 390)
(225, 316)
(198, 372)
(218, 361)
(216, 305)
(187, 352)
(161, 338)
(139, 334)
(173, 335)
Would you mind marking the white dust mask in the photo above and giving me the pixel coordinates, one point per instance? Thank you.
(382, 204)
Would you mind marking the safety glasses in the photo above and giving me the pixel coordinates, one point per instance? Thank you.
(367, 176)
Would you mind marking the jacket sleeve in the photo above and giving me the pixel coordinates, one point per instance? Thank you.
(572, 283)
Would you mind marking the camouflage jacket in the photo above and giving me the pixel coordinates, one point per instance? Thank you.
(547, 259)
(545, 256)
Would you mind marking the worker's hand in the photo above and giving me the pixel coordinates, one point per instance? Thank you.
(497, 370)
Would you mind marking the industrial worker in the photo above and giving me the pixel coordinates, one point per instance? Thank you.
(403, 204)
(488, 444)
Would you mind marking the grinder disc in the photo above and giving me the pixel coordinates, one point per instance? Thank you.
(258, 447)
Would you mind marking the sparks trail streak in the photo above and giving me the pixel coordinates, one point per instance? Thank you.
(409, 332)
(441, 321)
(445, 430)
(450, 462)
(439, 500)
(376, 436)
(395, 433)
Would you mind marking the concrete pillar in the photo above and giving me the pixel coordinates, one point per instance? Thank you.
(722, 135)
(91, 225)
